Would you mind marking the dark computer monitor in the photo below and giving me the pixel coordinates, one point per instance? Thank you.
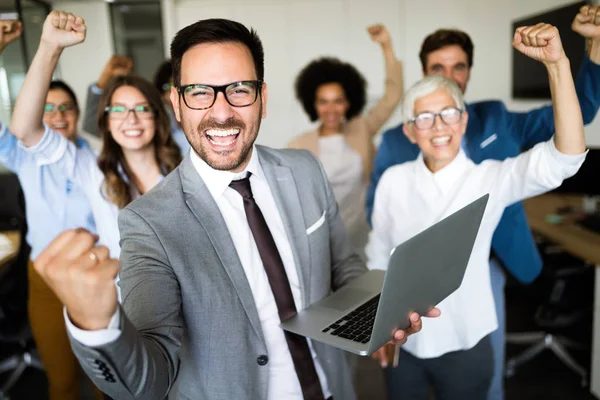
(529, 77)
(587, 179)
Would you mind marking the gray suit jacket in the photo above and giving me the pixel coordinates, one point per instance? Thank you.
(190, 328)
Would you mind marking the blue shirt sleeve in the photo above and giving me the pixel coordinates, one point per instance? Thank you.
(11, 155)
(537, 125)
(395, 148)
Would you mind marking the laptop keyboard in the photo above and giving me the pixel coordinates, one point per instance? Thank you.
(356, 325)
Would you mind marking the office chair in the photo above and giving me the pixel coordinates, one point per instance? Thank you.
(14, 326)
(558, 313)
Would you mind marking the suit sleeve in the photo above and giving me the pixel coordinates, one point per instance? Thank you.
(537, 125)
(90, 114)
(144, 360)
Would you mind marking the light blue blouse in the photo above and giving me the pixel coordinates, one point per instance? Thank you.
(53, 202)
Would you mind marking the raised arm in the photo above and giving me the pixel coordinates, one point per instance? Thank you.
(10, 153)
(381, 112)
(529, 128)
(547, 164)
(587, 24)
(9, 32)
(60, 30)
(138, 342)
(542, 42)
(116, 66)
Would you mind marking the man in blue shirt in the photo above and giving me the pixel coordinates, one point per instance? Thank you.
(493, 132)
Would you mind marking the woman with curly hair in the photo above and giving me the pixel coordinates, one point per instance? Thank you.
(138, 149)
(334, 93)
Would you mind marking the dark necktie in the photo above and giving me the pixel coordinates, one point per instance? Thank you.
(280, 286)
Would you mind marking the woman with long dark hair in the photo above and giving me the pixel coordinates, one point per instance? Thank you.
(137, 152)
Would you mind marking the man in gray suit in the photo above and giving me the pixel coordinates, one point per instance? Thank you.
(236, 239)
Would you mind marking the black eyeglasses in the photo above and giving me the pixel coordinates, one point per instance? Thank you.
(449, 116)
(238, 94)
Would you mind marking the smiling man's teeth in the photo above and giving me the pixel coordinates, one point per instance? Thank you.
(222, 137)
(440, 140)
(222, 133)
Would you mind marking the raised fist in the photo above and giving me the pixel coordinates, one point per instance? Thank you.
(540, 42)
(82, 276)
(379, 34)
(63, 29)
(9, 31)
(587, 22)
(116, 66)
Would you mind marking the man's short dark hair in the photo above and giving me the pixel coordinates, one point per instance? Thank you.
(163, 75)
(216, 31)
(446, 37)
(331, 70)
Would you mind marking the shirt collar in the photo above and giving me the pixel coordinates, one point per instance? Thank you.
(446, 178)
(218, 181)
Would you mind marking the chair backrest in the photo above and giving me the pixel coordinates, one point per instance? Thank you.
(568, 290)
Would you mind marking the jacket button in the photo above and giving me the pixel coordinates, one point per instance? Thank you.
(262, 360)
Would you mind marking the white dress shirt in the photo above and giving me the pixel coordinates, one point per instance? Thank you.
(410, 198)
(283, 381)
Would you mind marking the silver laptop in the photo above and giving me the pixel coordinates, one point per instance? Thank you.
(362, 316)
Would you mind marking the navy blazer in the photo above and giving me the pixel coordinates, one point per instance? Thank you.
(493, 132)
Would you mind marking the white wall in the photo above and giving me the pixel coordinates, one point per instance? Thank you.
(81, 65)
(293, 33)
(296, 31)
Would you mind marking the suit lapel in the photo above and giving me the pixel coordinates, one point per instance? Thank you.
(284, 190)
(205, 209)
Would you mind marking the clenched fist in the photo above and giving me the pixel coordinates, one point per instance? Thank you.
(587, 22)
(379, 34)
(540, 42)
(9, 31)
(116, 66)
(82, 276)
(63, 29)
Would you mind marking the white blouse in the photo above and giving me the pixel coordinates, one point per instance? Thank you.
(344, 170)
(410, 198)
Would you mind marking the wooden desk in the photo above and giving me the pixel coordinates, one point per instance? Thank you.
(581, 243)
(15, 240)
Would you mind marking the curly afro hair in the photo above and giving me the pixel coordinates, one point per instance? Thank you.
(331, 70)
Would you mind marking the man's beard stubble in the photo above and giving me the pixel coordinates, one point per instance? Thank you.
(195, 138)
